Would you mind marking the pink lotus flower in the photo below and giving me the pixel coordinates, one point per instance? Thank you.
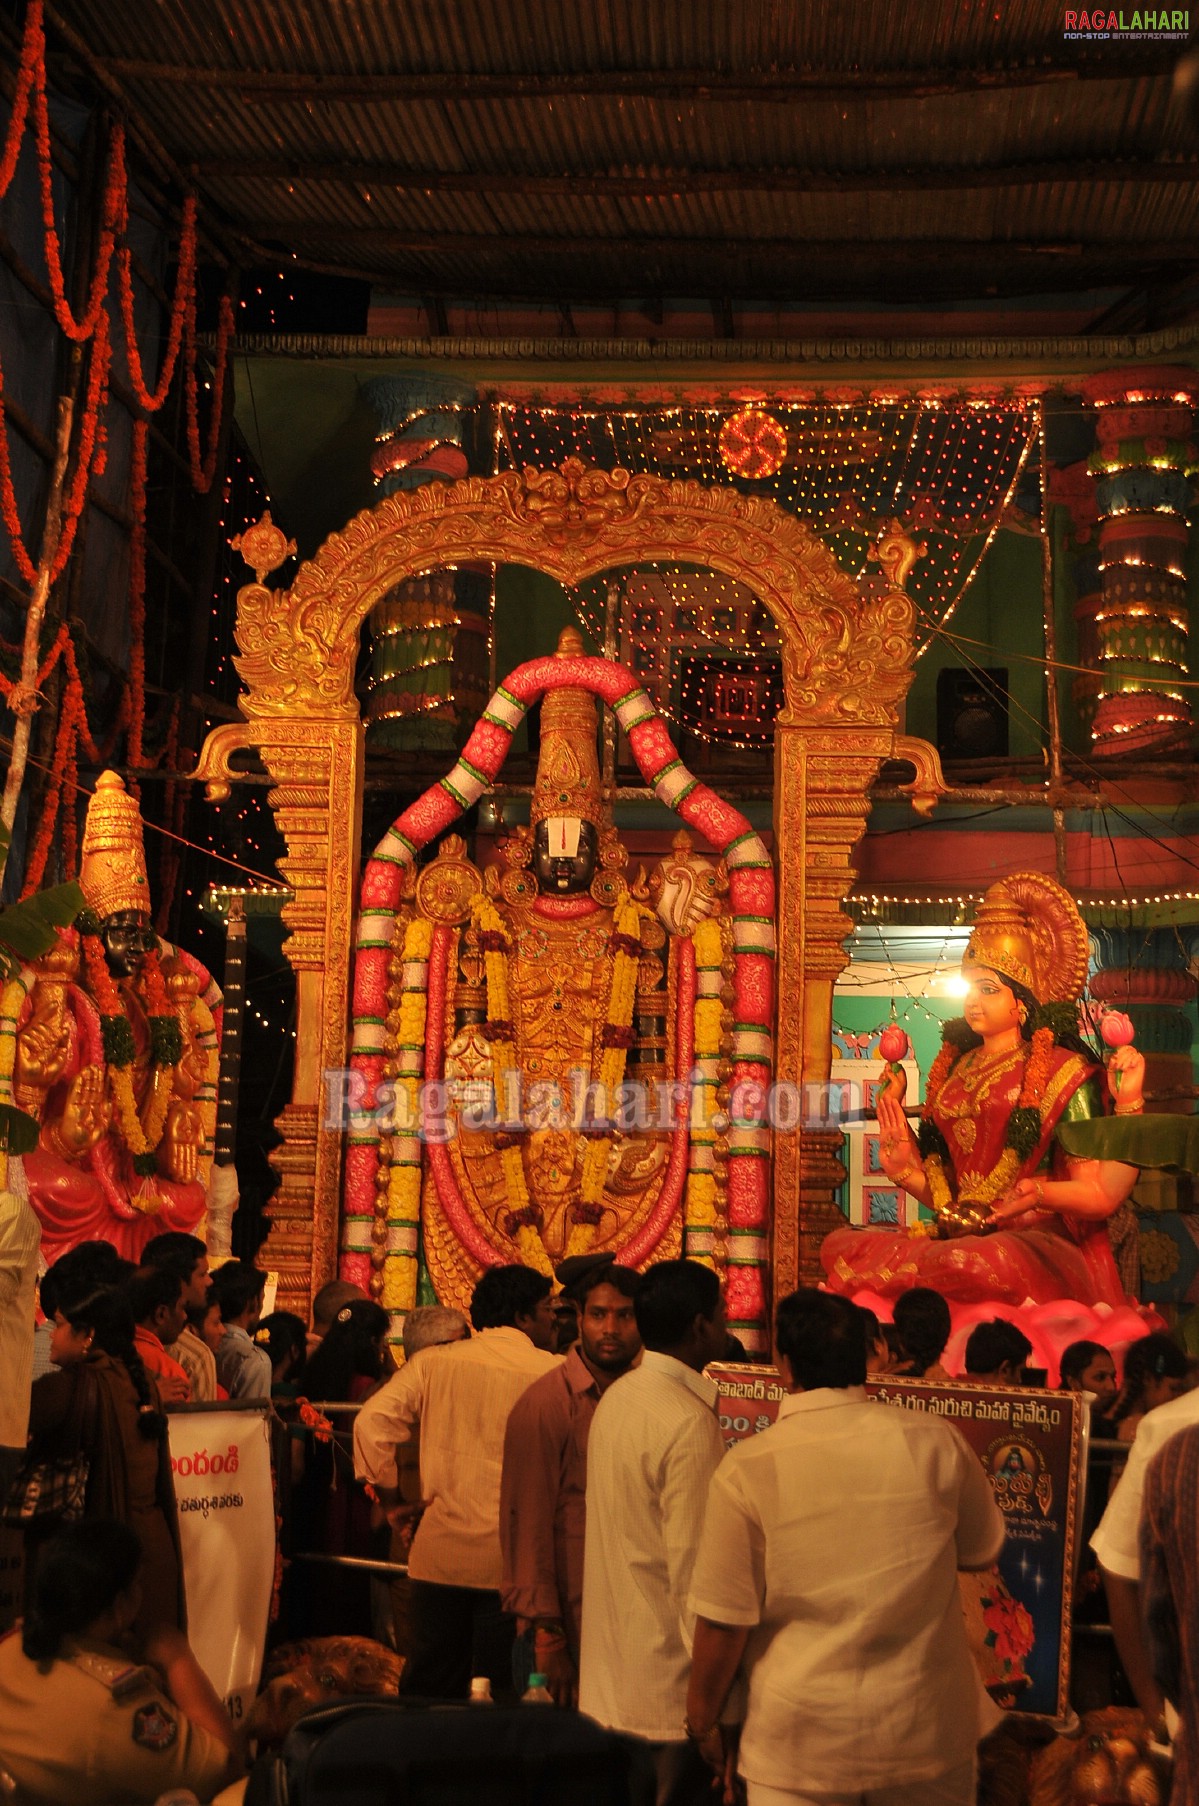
(1116, 1029)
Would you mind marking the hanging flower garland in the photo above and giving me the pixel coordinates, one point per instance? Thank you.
(33, 50)
(1022, 1135)
(91, 455)
(151, 400)
(203, 469)
(524, 1219)
(701, 1213)
(616, 1037)
(112, 214)
(166, 1046)
(396, 1236)
(137, 594)
(71, 732)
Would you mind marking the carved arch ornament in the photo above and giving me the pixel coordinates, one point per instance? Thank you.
(847, 655)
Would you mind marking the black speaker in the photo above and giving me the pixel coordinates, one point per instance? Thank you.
(972, 712)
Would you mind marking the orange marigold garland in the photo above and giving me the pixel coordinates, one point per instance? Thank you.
(203, 470)
(137, 595)
(185, 287)
(90, 448)
(33, 51)
(111, 215)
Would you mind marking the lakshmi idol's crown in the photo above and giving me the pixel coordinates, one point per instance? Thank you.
(112, 867)
(1030, 932)
(568, 773)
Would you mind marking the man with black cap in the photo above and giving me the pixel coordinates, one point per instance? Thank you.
(543, 1493)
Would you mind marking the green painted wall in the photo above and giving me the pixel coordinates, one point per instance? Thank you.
(998, 618)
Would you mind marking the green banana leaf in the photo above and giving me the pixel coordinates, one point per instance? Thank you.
(28, 929)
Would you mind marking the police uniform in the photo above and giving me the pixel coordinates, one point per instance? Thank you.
(90, 1727)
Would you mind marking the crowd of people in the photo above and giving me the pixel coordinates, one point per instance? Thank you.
(551, 1486)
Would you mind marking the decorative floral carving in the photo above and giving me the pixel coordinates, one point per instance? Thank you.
(846, 655)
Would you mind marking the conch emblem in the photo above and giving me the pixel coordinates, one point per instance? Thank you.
(685, 888)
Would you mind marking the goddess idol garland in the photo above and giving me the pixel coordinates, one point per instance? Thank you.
(459, 979)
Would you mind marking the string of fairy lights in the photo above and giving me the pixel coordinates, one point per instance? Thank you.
(948, 469)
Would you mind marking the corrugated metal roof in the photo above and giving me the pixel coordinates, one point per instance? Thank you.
(1024, 162)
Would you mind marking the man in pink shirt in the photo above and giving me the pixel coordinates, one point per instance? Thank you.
(543, 1492)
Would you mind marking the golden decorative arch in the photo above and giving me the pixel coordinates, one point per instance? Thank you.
(847, 655)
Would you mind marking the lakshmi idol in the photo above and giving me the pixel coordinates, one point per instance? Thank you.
(558, 1031)
(1014, 1217)
(110, 1042)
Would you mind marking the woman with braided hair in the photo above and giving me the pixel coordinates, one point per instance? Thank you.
(104, 1403)
(1015, 1216)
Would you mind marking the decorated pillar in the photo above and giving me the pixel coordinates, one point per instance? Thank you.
(1143, 464)
(429, 651)
(309, 735)
(822, 786)
(1144, 972)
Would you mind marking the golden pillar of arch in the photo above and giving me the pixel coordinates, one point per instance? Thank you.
(847, 655)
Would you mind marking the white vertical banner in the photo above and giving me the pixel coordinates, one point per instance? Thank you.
(221, 1463)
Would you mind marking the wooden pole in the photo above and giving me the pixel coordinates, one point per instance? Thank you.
(24, 698)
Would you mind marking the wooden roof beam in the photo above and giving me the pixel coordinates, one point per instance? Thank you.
(783, 86)
(671, 182)
(907, 250)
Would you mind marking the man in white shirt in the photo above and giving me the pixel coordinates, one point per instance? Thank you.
(459, 1395)
(829, 1560)
(655, 1443)
(1115, 1545)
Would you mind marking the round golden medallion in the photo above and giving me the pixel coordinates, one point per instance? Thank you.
(608, 888)
(518, 888)
(446, 888)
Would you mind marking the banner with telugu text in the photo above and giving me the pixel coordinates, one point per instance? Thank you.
(221, 1463)
(1032, 1446)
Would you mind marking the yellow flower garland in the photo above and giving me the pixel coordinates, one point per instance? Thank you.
(404, 1181)
(700, 1210)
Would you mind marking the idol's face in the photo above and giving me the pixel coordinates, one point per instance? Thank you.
(561, 871)
(991, 1007)
(126, 937)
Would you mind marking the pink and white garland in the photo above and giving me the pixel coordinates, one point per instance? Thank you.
(752, 897)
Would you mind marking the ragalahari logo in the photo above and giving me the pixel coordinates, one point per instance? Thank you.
(1103, 25)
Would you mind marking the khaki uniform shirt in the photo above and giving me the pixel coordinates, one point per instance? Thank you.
(91, 1727)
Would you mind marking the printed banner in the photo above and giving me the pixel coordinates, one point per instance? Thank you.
(221, 1462)
(1033, 1448)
